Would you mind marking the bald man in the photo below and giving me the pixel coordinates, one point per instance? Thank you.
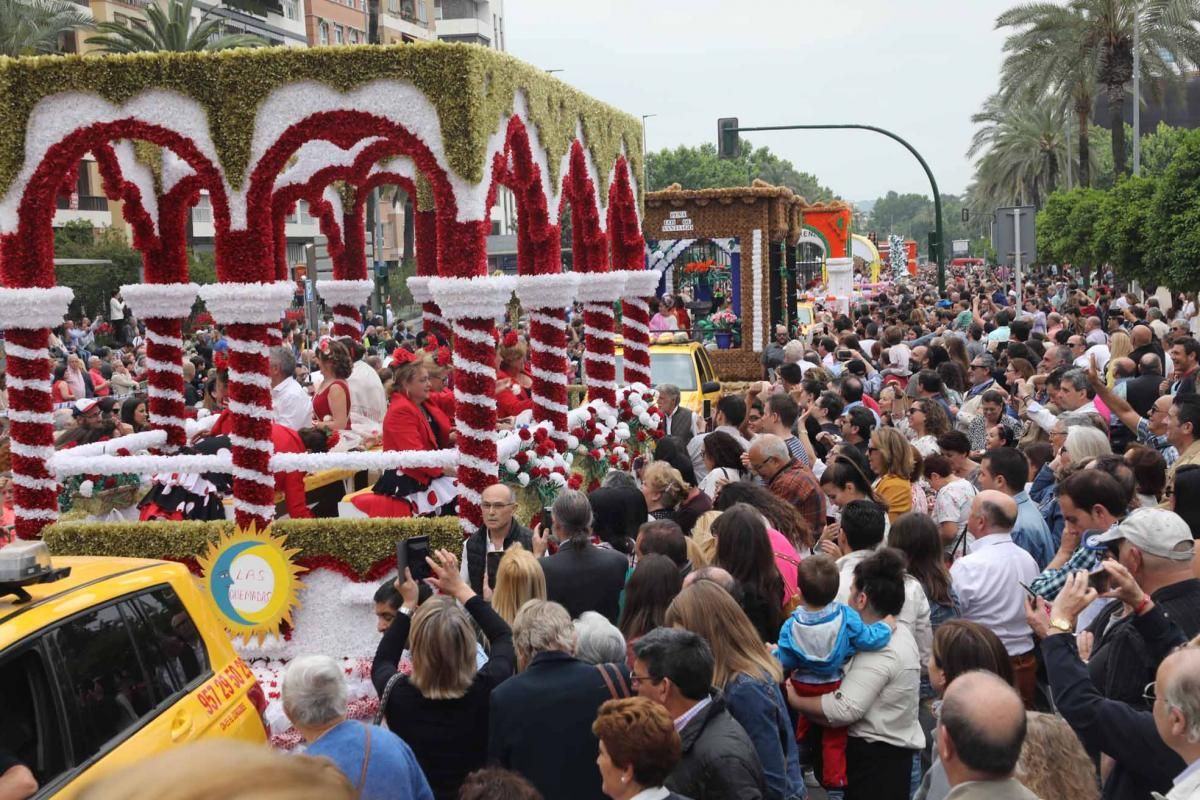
(979, 740)
(988, 583)
(1177, 716)
(500, 531)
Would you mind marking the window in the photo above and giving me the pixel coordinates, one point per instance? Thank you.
(203, 210)
(170, 643)
(422, 13)
(338, 34)
(104, 681)
(323, 33)
(393, 6)
(290, 10)
(121, 19)
(29, 722)
(437, 9)
(353, 36)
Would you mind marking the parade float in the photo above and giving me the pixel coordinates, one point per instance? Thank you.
(256, 132)
(729, 253)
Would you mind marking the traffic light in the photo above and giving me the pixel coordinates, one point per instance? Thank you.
(727, 137)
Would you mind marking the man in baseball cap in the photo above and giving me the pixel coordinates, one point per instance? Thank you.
(1157, 548)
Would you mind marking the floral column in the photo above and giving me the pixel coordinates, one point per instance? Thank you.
(426, 235)
(640, 286)
(164, 307)
(473, 305)
(546, 299)
(249, 311)
(26, 316)
(350, 268)
(598, 291)
(345, 297)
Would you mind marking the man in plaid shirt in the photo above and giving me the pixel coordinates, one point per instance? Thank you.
(788, 479)
(1092, 502)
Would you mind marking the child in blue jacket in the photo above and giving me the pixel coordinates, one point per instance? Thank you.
(815, 643)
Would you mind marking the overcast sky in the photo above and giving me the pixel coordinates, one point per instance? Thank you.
(917, 67)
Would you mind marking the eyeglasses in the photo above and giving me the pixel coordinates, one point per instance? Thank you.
(635, 679)
(1150, 693)
(494, 506)
(759, 465)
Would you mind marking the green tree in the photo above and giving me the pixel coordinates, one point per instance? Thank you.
(1049, 56)
(93, 283)
(1175, 218)
(1121, 236)
(1052, 227)
(1159, 147)
(1021, 149)
(1168, 40)
(37, 27)
(170, 30)
(699, 168)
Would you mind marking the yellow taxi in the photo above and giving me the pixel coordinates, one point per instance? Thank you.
(685, 364)
(806, 317)
(105, 661)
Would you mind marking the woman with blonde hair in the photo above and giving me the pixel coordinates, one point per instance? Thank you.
(512, 384)
(664, 489)
(748, 675)
(1053, 763)
(519, 579)
(891, 459)
(441, 709)
(1119, 346)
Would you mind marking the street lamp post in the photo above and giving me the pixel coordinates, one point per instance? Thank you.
(645, 155)
(940, 245)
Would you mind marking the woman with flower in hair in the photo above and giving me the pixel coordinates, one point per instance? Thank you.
(331, 403)
(412, 423)
(441, 394)
(512, 384)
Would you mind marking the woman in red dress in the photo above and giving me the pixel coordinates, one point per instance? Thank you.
(331, 403)
(412, 423)
(441, 394)
(512, 383)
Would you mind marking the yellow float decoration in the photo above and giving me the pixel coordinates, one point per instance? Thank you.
(252, 579)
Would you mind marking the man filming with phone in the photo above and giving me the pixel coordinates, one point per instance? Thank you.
(500, 531)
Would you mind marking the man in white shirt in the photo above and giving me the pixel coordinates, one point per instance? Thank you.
(289, 402)
(368, 398)
(988, 583)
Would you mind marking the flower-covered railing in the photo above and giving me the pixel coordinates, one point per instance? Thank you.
(259, 130)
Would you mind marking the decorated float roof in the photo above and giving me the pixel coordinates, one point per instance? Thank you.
(787, 216)
(471, 89)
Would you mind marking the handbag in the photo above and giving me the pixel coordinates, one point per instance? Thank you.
(362, 777)
(383, 698)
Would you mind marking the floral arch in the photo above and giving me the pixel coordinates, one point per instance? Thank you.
(260, 130)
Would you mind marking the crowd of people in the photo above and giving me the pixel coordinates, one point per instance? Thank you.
(944, 550)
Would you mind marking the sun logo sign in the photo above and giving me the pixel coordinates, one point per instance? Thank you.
(252, 579)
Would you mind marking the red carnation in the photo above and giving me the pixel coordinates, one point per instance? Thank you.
(561, 470)
(541, 435)
(521, 457)
(511, 339)
(614, 459)
(110, 482)
(641, 435)
(652, 409)
(575, 481)
(121, 451)
(596, 454)
(657, 433)
(524, 435)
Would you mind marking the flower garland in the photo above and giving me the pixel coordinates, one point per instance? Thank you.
(635, 323)
(758, 271)
(545, 298)
(250, 303)
(33, 308)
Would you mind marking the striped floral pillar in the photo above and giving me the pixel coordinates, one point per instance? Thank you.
(248, 311)
(546, 298)
(164, 307)
(473, 305)
(598, 291)
(640, 286)
(26, 317)
(349, 268)
(425, 234)
(346, 296)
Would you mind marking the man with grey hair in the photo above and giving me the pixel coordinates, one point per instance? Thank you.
(770, 459)
(290, 404)
(598, 641)
(677, 421)
(581, 576)
(982, 379)
(552, 701)
(376, 761)
(980, 737)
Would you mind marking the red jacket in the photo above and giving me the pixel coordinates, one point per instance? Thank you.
(509, 404)
(406, 428)
(291, 484)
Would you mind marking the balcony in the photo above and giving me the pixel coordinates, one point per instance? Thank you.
(87, 208)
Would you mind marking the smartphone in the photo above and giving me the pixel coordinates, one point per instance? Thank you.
(1031, 592)
(706, 410)
(411, 554)
(547, 520)
(1098, 578)
(844, 354)
(493, 566)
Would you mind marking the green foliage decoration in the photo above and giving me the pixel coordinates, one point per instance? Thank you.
(1122, 232)
(471, 87)
(1175, 218)
(359, 543)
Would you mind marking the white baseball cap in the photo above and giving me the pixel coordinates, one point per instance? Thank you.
(1156, 531)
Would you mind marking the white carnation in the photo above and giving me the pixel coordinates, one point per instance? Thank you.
(572, 442)
(523, 478)
(512, 466)
(600, 440)
(645, 419)
(558, 480)
(86, 488)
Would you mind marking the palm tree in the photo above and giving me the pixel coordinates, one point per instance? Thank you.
(36, 27)
(1168, 43)
(170, 30)
(1021, 147)
(1049, 57)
